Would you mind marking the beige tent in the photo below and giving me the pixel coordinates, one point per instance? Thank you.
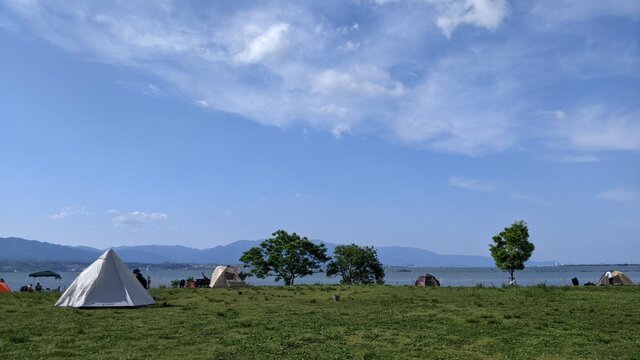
(226, 277)
(106, 283)
(614, 278)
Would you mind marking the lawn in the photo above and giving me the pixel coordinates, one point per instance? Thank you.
(302, 322)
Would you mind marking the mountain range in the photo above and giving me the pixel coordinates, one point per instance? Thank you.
(17, 249)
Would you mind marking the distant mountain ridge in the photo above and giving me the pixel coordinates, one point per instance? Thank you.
(15, 249)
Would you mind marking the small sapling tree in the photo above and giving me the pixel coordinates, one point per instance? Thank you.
(511, 248)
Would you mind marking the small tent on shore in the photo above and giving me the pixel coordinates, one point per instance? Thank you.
(427, 280)
(106, 283)
(614, 278)
(226, 277)
(4, 288)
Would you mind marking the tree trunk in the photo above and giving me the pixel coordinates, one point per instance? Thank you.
(511, 278)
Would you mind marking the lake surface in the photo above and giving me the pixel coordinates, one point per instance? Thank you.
(448, 276)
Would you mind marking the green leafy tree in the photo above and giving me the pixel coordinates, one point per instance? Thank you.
(285, 256)
(511, 248)
(356, 265)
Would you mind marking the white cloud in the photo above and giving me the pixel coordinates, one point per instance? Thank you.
(578, 159)
(619, 195)
(471, 184)
(369, 81)
(554, 13)
(69, 211)
(482, 13)
(339, 129)
(202, 103)
(302, 196)
(598, 128)
(558, 114)
(263, 44)
(137, 218)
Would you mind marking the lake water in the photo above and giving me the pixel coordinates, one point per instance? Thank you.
(448, 276)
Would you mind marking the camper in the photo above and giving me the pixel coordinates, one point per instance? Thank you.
(226, 277)
(105, 283)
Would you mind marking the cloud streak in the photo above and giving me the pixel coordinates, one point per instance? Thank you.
(68, 212)
(471, 184)
(621, 195)
(137, 218)
(404, 71)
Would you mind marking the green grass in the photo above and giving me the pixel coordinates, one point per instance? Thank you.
(301, 322)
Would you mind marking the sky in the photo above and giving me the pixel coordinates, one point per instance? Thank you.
(430, 124)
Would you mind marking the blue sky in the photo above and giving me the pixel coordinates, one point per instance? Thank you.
(431, 124)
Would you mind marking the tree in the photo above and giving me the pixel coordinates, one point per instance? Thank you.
(284, 256)
(511, 248)
(356, 265)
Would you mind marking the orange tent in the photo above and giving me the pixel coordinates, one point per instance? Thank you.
(4, 288)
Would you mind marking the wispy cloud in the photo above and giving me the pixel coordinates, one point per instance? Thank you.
(302, 196)
(577, 158)
(600, 128)
(400, 74)
(619, 195)
(69, 211)
(558, 114)
(137, 218)
(262, 43)
(471, 184)
(481, 13)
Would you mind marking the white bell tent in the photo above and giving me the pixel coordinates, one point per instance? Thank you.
(106, 283)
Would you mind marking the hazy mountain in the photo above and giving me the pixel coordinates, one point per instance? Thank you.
(159, 254)
(20, 249)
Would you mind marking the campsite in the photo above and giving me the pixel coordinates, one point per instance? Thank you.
(107, 312)
(369, 322)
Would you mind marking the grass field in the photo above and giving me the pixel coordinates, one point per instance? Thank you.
(302, 322)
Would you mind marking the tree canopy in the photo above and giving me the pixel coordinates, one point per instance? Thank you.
(285, 256)
(356, 265)
(511, 248)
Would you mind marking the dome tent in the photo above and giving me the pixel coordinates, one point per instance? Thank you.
(614, 278)
(427, 280)
(107, 282)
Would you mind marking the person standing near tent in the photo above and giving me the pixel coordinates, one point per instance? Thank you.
(140, 278)
(148, 282)
(610, 277)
